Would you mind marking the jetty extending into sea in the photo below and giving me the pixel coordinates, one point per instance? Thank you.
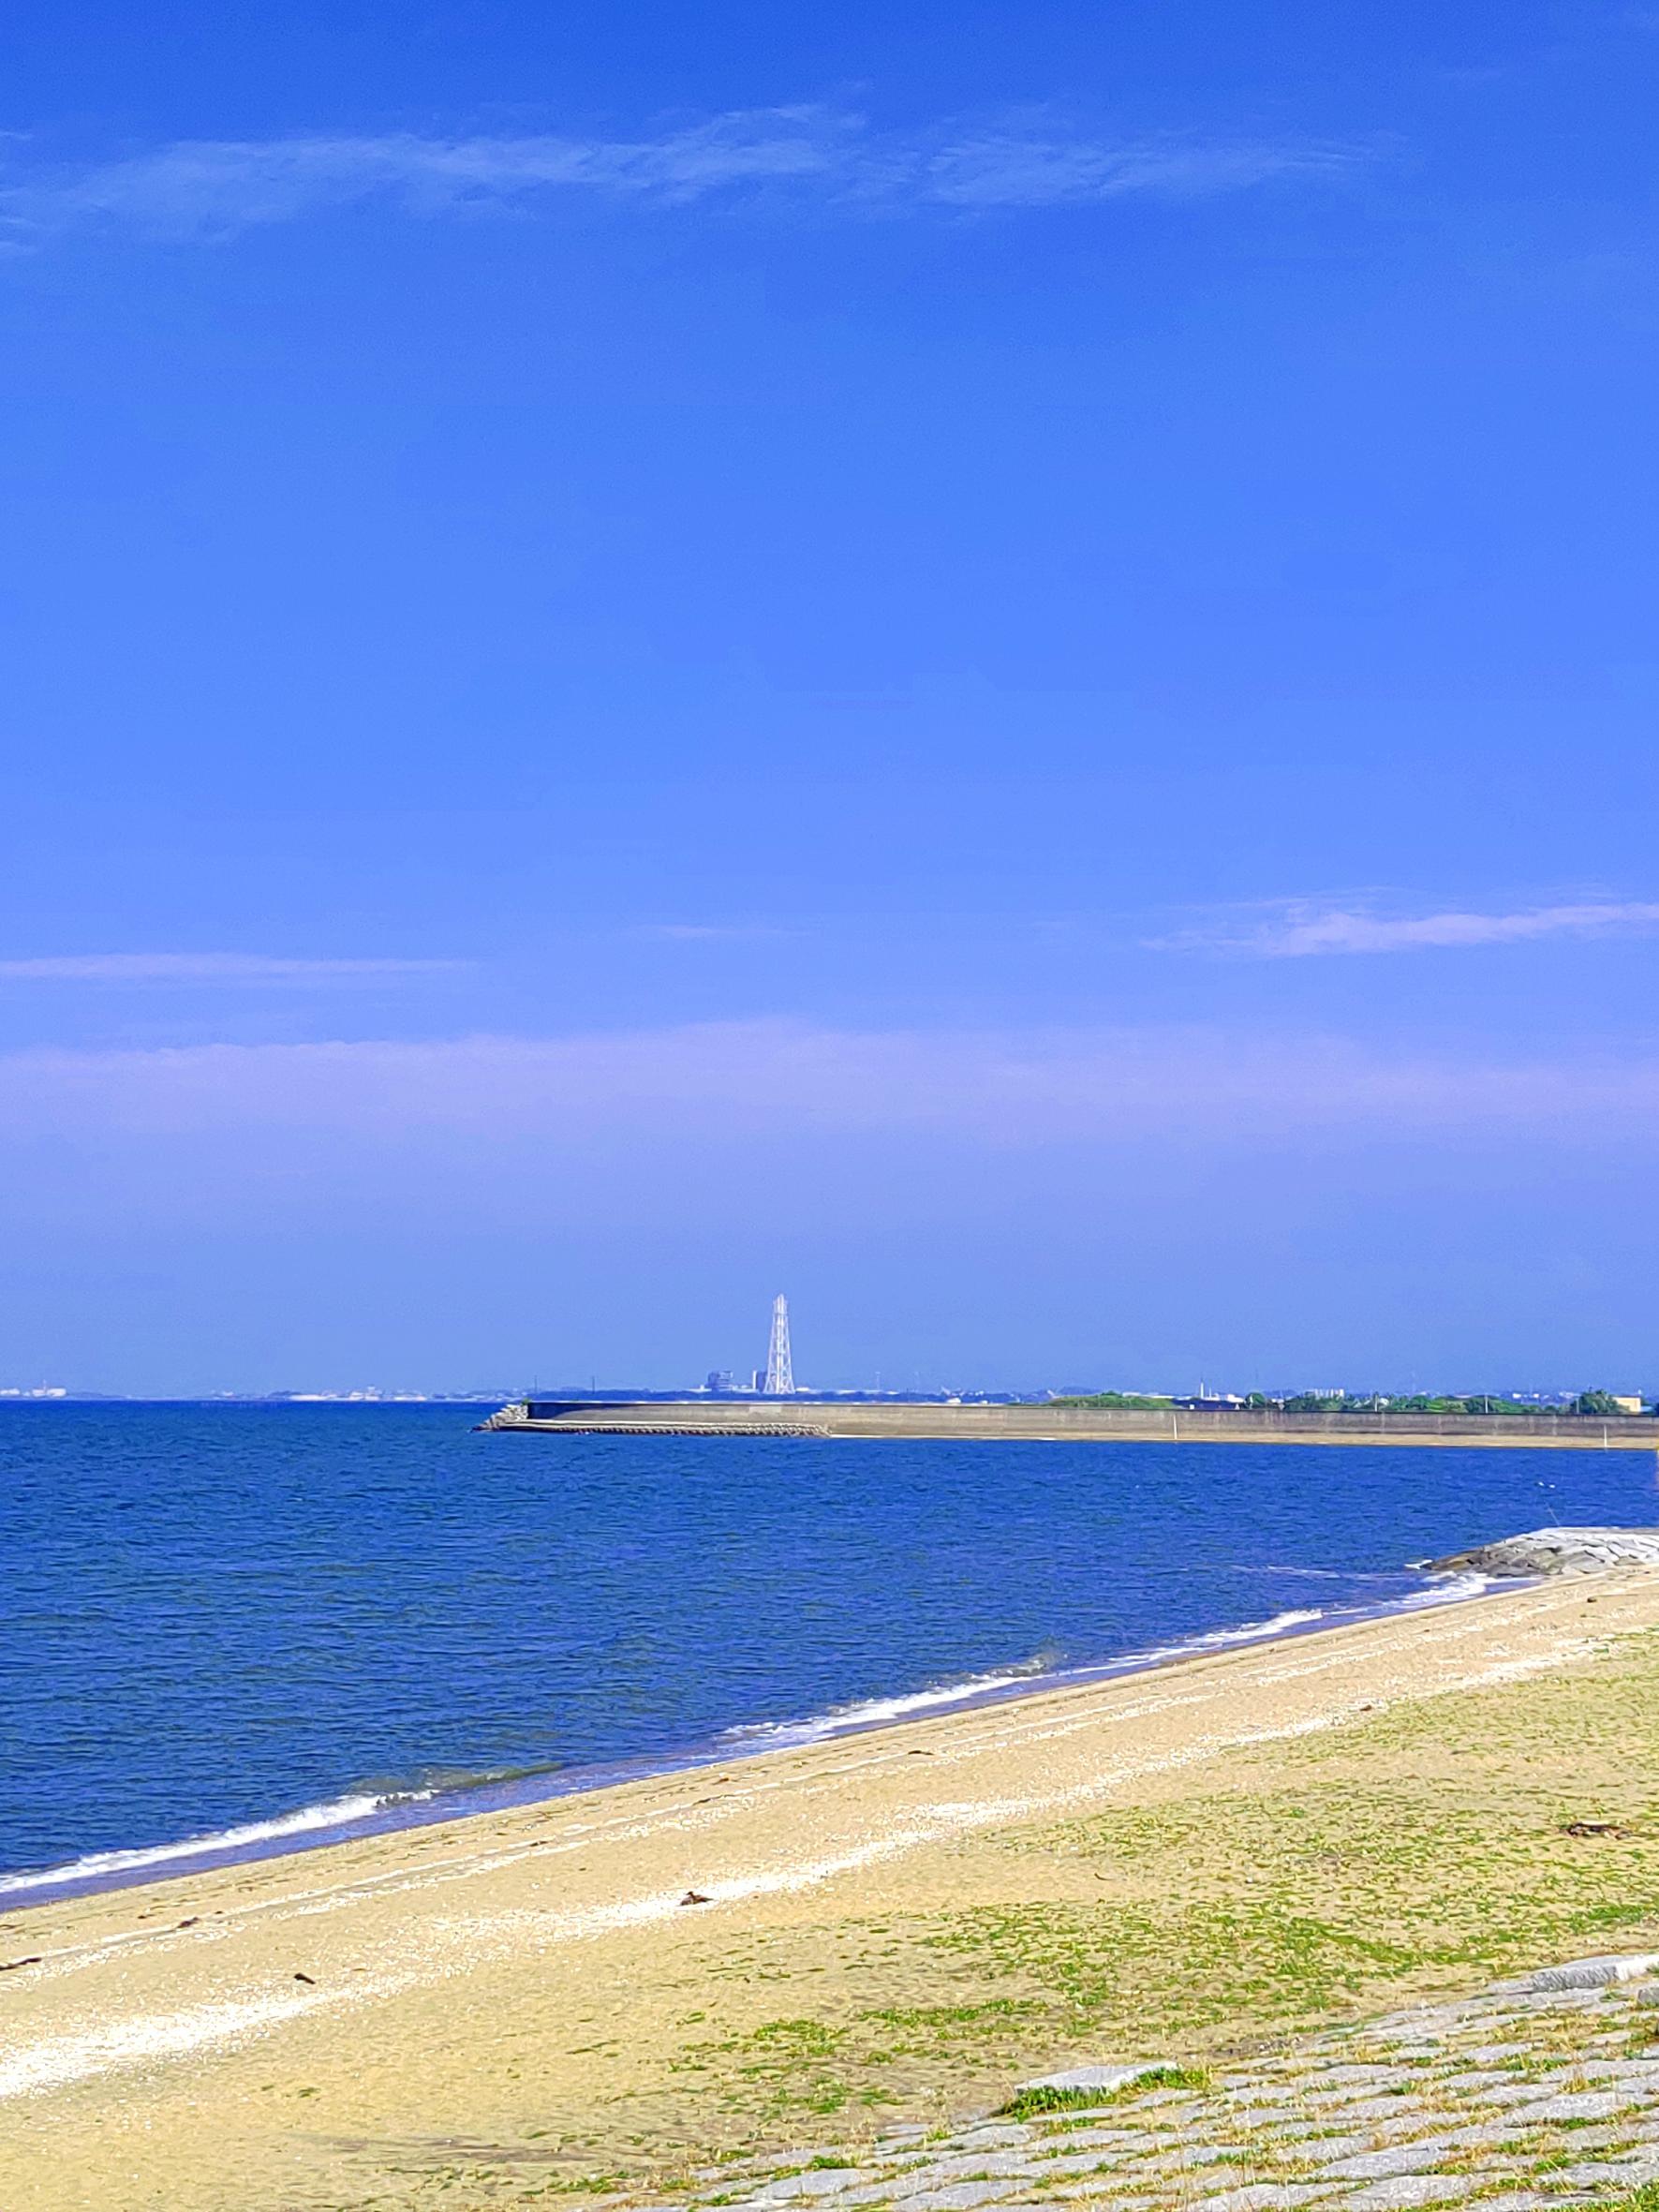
(1060, 1423)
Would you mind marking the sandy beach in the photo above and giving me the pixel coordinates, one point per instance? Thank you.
(896, 1924)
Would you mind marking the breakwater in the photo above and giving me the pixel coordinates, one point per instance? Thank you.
(1067, 1424)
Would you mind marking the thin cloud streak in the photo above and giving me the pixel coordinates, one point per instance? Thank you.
(197, 188)
(722, 1082)
(1305, 932)
(707, 932)
(213, 968)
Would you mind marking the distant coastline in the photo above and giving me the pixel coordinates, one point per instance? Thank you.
(1076, 1422)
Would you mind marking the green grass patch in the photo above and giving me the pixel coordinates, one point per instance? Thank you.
(1421, 1849)
(1031, 2104)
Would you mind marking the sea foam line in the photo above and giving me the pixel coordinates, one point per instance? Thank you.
(338, 1812)
(56, 2061)
(1035, 1676)
(344, 1812)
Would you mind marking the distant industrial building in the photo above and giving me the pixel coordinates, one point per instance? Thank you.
(776, 1379)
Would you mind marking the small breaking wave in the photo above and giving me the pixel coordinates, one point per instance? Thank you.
(973, 1689)
(1043, 1673)
(445, 1794)
(868, 1712)
(1449, 1589)
(340, 1811)
(1213, 1638)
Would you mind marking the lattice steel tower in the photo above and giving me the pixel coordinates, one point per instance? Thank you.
(780, 1378)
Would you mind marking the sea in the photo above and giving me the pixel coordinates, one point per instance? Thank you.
(230, 1630)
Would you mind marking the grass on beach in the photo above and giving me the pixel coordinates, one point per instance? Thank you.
(1047, 2098)
(1213, 1913)
(1423, 1851)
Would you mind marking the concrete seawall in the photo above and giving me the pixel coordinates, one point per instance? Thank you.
(810, 1418)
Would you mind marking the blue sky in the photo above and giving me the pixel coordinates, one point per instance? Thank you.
(995, 665)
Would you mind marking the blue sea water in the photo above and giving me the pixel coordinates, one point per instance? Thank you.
(260, 1623)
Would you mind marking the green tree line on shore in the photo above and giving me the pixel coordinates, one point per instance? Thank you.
(1595, 1405)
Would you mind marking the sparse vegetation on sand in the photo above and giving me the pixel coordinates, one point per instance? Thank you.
(1359, 1845)
(1046, 2097)
(1427, 1849)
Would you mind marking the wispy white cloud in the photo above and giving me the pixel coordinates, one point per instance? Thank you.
(705, 932)
(708, 1084)
(212, 968)
(206, 187)
(1300, 931)
(1013, 169)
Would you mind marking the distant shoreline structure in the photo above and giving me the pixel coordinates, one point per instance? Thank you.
(1057, 1422)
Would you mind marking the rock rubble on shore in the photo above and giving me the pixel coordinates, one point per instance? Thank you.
(1556, 1552)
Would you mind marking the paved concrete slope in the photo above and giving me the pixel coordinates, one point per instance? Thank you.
(1520, 2099)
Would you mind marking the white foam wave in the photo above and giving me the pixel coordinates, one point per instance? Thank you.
(871, 1712)
(338, 1813)
(1212, 1639)
(1448, 1590)
(841, 1720)
(874, 1712)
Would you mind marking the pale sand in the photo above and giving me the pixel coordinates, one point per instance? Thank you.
(484, 1980)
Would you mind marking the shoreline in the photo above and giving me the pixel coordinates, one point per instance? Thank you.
(629, 1981)
(356, 1817)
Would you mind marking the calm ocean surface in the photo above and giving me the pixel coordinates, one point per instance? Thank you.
(274, 1619)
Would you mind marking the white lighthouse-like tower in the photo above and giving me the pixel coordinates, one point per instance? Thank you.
(780, 1377)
